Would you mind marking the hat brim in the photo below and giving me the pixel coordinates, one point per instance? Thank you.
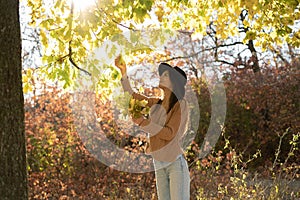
(164, 67)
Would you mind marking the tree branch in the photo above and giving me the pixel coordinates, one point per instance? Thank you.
(225, 62)
(70, 47)
(73, 63)
(201, 51)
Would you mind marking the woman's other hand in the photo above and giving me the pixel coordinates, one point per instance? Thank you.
(120, 63)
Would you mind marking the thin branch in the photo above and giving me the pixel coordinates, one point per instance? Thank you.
(179, 57)
(73, 62)
(231, 44)
(70, 47)
(75, 65)
(225, 62)
(242, 18)
(201, 51)
(281, 57)
(123, 25)
(194, 69)
(186, 32)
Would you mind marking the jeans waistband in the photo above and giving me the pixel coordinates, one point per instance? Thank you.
(179, 156)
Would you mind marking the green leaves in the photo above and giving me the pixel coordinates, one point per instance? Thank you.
(86, 30)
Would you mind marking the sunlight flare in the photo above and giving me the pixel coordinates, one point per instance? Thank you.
(83, 4)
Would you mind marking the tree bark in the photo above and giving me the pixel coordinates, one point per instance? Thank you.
(13, 169)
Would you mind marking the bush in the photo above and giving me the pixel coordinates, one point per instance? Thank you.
(262, 119)
(260, 107)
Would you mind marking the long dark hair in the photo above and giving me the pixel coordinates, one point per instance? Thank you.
(178, 88)
(176, 95)
(173, 101)
(178, 79)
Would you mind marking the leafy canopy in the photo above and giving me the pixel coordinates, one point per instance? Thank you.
(69, 33)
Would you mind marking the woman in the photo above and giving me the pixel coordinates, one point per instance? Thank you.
(166, 125)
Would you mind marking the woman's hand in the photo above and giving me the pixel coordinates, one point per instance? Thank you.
(120, 63)
(138, 121)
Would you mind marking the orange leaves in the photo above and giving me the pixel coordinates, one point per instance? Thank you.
(59, 165)
(180, 63)
(259, 107)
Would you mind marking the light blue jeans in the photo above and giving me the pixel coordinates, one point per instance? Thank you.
(173, 180)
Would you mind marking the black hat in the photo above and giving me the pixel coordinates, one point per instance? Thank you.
(178, 73)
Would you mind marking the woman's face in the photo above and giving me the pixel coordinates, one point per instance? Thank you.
(164, 81)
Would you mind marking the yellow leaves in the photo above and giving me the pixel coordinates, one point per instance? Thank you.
(262, 43)
(273, 35)
(246, 23)
(58, 4)
(250, 35)
(87, 30)
(27, 80)
(37, 11)
(159, 13)
(225, 17)
(138, 108)
(295, 40)
(27, 88)
(43, 38)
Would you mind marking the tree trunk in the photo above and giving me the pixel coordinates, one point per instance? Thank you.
(13, 173)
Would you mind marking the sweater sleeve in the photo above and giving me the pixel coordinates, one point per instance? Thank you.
(176, 119)
(126, 85)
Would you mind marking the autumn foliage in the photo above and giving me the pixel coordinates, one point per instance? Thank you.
(59, 165)
(260, 108)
